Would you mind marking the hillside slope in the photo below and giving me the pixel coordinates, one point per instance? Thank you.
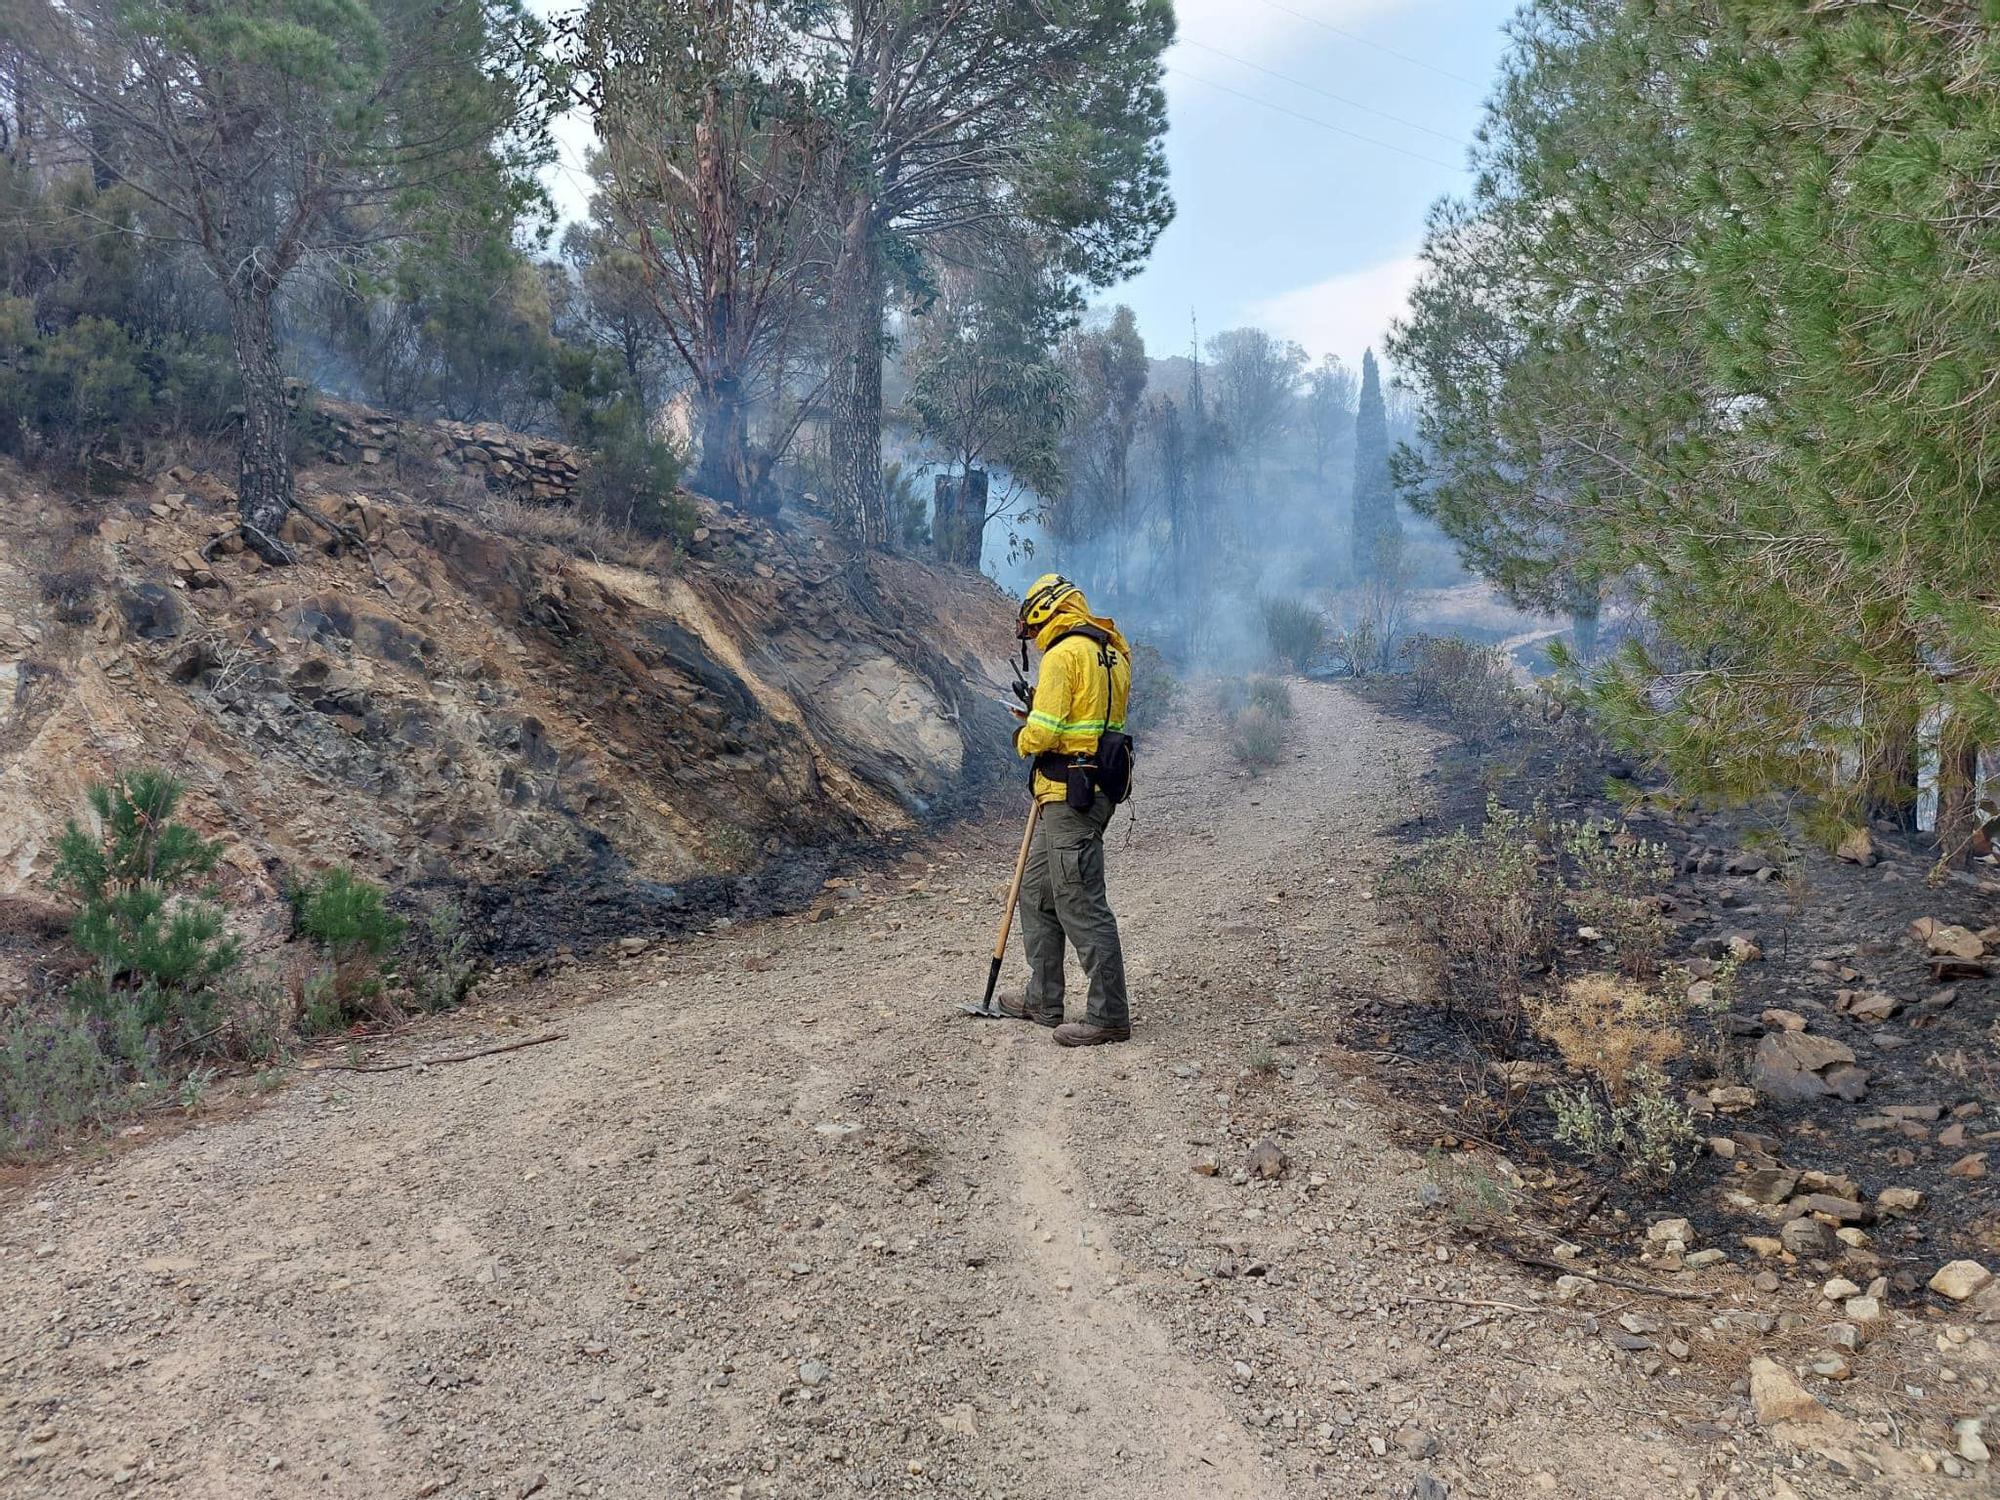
(582, 744)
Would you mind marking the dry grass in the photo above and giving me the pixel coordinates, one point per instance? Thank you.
(1607, 1026)
(571, 531)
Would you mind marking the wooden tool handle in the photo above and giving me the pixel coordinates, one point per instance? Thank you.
(1014, 890)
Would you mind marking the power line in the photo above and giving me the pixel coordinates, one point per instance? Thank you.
(1355, 36)
(1313, 120)
(1313, 88)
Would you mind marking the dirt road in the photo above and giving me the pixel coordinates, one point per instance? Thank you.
(770, 1220)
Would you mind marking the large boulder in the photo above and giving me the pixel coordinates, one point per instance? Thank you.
(1795, 1065)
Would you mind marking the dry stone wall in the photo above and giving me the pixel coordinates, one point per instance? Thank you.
(538, 470)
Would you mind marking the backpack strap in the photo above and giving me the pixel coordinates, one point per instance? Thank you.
(1105, 653)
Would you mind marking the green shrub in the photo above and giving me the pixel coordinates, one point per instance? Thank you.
(632, 482)
(632, 479)
(348, 918)
(1155, 689)
(1271, 695)
(1296, 631)
(908, 512)
(1257, 738)
(445, 976)
(1474, 682)
(62, 1071)
(1650, 1134)
(1483, 913)
(1615, 889)
(157, 945)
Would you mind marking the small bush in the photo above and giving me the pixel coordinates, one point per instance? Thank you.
(1271, 695)
(348, 918)
(632, 484)
(1155, 689)
(1296, 631)
(72, 594)
(1473, 682)
(1652, 1133)
(1257, 738)
(1354, 652)
(63, 1071)
(1482, 910)
(560, 526)
(446, 975)
(1615, 889)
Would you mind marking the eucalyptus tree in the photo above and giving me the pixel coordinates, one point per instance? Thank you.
(1255, 378)
(1327, 414)
(989, 392)
(265, 134)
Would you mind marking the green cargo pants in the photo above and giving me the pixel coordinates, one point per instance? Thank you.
(1062, 897)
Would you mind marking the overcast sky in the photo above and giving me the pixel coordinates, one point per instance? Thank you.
(1287, 217)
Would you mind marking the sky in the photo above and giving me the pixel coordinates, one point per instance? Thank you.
(1297, 227)
(1307, 140)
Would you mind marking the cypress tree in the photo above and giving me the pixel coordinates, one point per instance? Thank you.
(1378, 534)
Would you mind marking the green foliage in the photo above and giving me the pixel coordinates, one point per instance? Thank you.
(445, 974)
(632, 482)
(92, 354)
(348, 915)
(157, 945)
(1271, 695)
(1650, 1133)
(1257, 737)
(349, 919)
(909, 513)
(1616, 885)
(987, 387)
(1715, 329)
(1378, 531)
(1297, 631)
(62, 1071)
(1484, 914)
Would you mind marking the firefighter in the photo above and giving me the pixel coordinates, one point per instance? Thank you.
(1075, 737)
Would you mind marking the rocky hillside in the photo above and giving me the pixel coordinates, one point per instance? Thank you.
(577, 736)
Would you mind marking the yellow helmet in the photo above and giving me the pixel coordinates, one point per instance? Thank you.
(1044, 597)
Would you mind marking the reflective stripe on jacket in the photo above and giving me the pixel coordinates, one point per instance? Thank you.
(1072, 706)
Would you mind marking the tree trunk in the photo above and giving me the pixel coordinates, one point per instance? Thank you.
(958, 517)
(1958, 795)
(724, 433)
(856, 396)
(1891, 777)
(264, 448)
(944, 516)
(972, 502)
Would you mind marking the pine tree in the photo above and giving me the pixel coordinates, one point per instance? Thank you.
(1718, 324)
(1378, 534)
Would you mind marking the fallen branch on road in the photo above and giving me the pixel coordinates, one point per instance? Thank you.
(1620, 1282)
(435, 1062)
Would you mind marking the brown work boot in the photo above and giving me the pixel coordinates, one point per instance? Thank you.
(1090, 1034)
(1015, 1008)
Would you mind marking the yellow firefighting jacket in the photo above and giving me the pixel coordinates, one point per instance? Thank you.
(1075, 699)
